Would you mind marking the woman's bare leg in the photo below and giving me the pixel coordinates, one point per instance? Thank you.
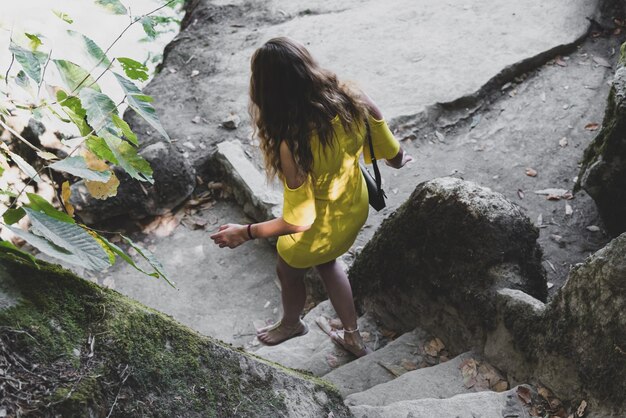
(340, 294)
(293, 294)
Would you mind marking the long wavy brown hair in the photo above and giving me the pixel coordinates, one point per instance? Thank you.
(291, 97)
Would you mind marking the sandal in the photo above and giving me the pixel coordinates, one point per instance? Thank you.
(336, 338)
(292, 332)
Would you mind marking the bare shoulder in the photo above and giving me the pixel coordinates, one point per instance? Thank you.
(371, 106)
(289, 168)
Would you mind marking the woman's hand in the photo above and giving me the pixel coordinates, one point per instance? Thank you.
(230, 235)
(400, 160)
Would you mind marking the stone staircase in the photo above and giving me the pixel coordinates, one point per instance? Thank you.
(412, 375)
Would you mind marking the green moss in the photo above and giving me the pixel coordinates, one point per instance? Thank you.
(622, 58)
(166, 368)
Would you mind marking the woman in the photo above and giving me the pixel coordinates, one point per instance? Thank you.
(312, 131)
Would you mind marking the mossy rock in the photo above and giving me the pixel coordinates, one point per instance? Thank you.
(603, 170)
(81, 350)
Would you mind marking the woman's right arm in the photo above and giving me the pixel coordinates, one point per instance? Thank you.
(401, 158)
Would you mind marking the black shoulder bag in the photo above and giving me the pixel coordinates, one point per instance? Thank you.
(376, 194)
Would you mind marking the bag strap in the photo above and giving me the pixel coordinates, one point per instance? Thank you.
(369, 141)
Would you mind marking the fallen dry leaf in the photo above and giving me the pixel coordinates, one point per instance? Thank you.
(408, 364)
(567, 196)
(524, 394)
(520, 193)
(388, 334)
(582, 408)
(558, 192)
(560, 62)
(531, 172)
(544, 393)
(163, 226)
(394, 369)
(593, 228)
(553, 197)
(433, 347)
(469, 371)
(593, 126)
(500, 386)
(332, 360)
(602, 62)
(66, 193)
(194, 222)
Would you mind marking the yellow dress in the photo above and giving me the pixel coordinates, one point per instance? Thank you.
(334, 200)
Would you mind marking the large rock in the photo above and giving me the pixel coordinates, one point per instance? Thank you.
(174, 181)
(576, 344)
(586, 323)
(603, 172)
(71, 348)
(437, 262)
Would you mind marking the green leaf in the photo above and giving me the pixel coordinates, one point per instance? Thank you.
(128, 158)
(46, 246)
(74, 110)
(24, 166)
(148, 26)
(96, 53)
(77, 166)
(22, 80)
(134, 69)
(48, 156)
(125, 128)
(99, 108)
(63, 16)
(113, 6)
(117, 250)
(150, 258)
(35, 42)
(7, 192)
(137, 101)
(100, 148)
(31, 61)
(71, 238)
(11, 216)
(40, 204)
(7, 247)
(73, 74)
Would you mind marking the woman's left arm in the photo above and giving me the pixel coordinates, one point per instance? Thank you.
(233, 235)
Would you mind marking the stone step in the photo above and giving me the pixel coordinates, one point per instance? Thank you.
(399, 356)
(444, 380)
(486, 404)
(314, 352)
(260, 200)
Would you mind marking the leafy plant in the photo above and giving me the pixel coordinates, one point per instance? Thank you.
(105, 140)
